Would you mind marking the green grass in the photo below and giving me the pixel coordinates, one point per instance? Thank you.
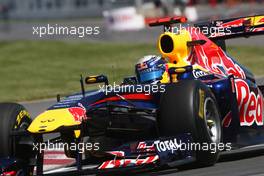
(249, 56)
(41, 69)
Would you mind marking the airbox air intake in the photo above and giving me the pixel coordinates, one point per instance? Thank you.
(166, 44)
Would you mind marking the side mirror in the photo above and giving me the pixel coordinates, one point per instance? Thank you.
(130, 80)
(96, 79)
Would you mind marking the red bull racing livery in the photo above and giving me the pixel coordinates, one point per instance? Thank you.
(202, 102)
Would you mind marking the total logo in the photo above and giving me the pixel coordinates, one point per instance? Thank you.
(250, 104)
(167, 145)
(199, 73)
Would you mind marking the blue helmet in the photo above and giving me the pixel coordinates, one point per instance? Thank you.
(150, 69)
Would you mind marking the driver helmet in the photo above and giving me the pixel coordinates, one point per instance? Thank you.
(151, 69)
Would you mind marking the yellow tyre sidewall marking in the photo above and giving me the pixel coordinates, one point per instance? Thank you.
(22, 114)
(201, 103)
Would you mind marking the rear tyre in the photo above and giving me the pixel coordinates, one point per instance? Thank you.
(190, 107)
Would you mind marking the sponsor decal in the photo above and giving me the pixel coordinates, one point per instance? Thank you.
(234, 23)
(143, 146)
(199, 73)
(117, 153)
(128, 162)
(78, 113)
(167, 145)
(220, 63)
(215, 60)
(250, 104)
(261, 20)
(201, 103)
(47, 120)
(258, 29)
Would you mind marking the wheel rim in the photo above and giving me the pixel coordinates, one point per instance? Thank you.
(212, 120)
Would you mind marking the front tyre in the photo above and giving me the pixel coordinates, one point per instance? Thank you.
(190, 107)
(14, 117)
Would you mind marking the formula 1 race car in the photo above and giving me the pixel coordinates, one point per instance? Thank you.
(208, 104)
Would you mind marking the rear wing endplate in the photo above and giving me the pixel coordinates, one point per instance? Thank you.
(234, 27)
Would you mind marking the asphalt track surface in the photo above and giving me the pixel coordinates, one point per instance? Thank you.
(238, 164)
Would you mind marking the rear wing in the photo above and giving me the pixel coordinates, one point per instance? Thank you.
(167, 22)
(234, 27)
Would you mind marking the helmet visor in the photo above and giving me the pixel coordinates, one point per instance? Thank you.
(146, 77)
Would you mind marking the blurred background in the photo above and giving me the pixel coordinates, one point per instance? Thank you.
(29, 9)
(34, 67)
(18, 16)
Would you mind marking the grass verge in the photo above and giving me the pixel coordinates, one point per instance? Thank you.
(41, 69)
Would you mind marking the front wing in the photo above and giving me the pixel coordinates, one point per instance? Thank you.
(138, 156)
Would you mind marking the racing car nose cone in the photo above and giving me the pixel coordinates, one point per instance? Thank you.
(51, 120)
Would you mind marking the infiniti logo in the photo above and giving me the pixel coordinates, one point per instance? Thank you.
(48, 120)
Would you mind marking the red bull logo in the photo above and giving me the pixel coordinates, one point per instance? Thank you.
(143, 146)
(250, 104)
(235, 23)
(216, 61)
(78, 113)
(261, 20)
(212, 58)
(128, 162)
